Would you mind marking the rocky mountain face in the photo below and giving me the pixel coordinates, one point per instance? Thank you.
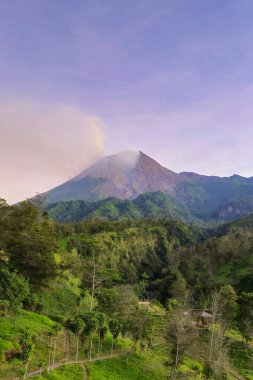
(127, 175)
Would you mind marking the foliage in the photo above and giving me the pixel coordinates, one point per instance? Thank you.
(29, 241)
(13, 289)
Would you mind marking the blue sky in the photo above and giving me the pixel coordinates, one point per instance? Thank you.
(171, 78)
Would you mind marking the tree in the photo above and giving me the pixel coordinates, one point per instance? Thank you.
(103, 332)
(217, 362)
(14, 288)
(178, 289)
(245, 314)
(29, 240)
(79, 301)
(96, 271)
(91, 325)
(79, 328)
(56, 331)
(50, 347)
(139, 325)
(181, 337)
(118, 302)
(101, 321)
(26, 350)
(114, 327)
(228, 304)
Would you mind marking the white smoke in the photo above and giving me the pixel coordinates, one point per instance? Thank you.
(42, 146)
(126, 160)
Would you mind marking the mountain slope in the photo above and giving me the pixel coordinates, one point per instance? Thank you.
(127, 175)
(149, 205)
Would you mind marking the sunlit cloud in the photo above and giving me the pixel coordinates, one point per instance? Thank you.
(41, 146)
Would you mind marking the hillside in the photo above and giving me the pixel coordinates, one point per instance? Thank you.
(149, 205)
(109, 298)
(128, 175)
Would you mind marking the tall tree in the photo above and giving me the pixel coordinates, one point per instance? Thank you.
(26, 350)
(79, 328)
(56, 331)
(181, 337)
(29, 240)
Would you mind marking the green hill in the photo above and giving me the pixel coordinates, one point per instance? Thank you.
(146, 206)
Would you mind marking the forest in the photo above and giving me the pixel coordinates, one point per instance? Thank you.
(143, 299)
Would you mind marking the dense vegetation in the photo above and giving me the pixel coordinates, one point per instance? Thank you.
(147, 206)
(165, 299)
(201, 201)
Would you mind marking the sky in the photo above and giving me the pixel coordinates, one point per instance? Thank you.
(80, 79)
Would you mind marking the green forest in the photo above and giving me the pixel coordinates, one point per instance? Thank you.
(134, 298)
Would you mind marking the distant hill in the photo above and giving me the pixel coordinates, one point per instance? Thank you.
(146, 206)
(128, 175)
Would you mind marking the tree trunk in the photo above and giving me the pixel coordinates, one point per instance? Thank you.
(77, 347)
(91, 339)
(26, 369)
(54, 353)
(131, 350)
(112, 346)
(99, 343)
(49, 355)
(176, 360)
(93, 283)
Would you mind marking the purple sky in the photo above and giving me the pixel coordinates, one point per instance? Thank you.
(172, 78)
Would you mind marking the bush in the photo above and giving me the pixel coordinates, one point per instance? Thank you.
(14, 288)
(4, 307)
(2, 356)
(33, 303)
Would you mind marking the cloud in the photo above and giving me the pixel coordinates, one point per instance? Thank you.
(42, 146)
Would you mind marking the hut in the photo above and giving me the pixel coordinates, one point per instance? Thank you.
(204, 318)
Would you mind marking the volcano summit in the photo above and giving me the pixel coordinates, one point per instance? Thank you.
(129, 174)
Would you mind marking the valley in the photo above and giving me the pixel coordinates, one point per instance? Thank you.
(77, 293)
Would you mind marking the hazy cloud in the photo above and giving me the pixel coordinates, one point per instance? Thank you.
(42, 146)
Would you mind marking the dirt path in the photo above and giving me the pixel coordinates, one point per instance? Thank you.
(85, 372)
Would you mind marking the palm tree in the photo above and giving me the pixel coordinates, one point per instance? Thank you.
(103, 332)
(101, 320)
(91, 327)
(26, 348)
(79, 327)
(56, 330)
(114, 327)
(50, 345)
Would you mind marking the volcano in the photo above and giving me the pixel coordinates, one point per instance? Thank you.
(124, 175)
(129, 174)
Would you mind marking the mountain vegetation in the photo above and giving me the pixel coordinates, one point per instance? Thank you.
(155, 205)
(133, 185)
(127, 299)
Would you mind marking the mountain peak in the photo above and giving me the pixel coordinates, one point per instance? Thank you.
(124, 175)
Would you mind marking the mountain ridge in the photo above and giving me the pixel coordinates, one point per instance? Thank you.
(127, 175)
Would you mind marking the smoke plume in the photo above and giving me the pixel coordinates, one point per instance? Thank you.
(42, 146)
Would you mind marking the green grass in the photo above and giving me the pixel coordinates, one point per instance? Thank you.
(59, 300)
(70, 372)
(141, 366)
(63, 245)
(12, 328)
(192, 369)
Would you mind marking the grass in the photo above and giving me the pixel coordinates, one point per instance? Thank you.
(192, 369)
(12, 328)
(70, 372)
(59, 300)
(142, 366)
